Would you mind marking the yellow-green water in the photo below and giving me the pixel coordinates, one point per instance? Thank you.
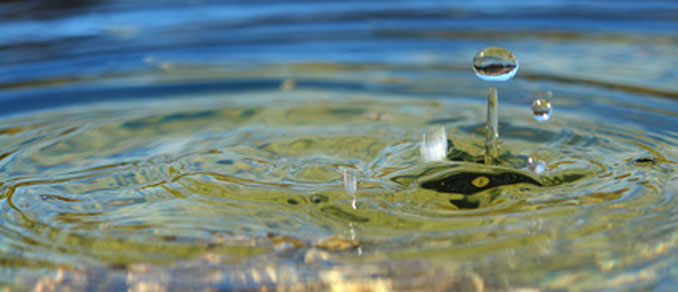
(245, 190)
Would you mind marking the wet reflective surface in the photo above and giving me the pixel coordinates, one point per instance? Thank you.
(181, 152)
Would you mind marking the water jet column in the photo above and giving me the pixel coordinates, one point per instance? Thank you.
(494, 64)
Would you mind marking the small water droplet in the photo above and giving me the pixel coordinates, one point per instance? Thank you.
(495, 64)
(535, 166)
(434, 144)
(541, 109)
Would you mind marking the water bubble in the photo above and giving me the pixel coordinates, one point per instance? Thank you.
(495, 64)
(535, 166)
(541, 109)
(434, 144)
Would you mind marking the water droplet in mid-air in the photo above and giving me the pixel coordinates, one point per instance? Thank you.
(541, 109)
(535, 166)
(495, 64)
(434, 144)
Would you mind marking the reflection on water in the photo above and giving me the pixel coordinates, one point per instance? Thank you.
(279, 145)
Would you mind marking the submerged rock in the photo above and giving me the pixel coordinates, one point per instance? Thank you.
(464, 182)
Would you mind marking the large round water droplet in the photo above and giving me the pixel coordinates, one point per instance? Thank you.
(541, 109)
(495, 64)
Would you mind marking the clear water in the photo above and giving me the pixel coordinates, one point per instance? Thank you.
(189, 147)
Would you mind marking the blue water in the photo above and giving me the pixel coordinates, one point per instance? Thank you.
(43, 41)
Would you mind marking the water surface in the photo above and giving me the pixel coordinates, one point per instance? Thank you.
(203, 146)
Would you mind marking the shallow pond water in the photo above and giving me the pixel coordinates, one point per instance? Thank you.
(157, 154)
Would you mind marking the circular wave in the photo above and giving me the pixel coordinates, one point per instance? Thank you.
(240, 176)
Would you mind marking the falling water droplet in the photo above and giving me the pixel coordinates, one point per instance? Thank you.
(434, 144)
(541, 109)
(535, 166)
(495, 64)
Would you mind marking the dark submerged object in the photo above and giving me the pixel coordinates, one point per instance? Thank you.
(468, 183)
(454, 179)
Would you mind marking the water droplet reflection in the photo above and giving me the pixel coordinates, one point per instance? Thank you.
(541, 109)
(495, 64)
(535, 165)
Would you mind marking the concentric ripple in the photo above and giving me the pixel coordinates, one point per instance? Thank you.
(237, 179)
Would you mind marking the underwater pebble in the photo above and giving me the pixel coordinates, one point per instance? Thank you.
(282, 242)
(336, 243)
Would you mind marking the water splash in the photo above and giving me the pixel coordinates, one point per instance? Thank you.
(350, 185)
(492, 125)
(434, 144)
(495, 65)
